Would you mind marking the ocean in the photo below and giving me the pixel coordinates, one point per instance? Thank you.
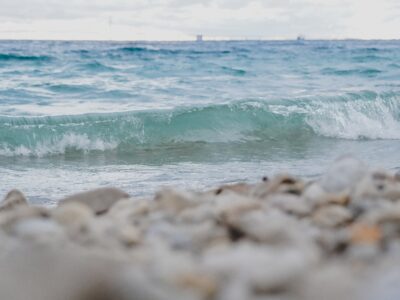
(192, 115)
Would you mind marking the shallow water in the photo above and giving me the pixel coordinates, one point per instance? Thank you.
(77, 115)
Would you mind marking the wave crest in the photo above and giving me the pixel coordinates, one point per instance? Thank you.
(364, 115)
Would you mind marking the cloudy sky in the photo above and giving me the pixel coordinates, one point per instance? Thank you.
(182, 19)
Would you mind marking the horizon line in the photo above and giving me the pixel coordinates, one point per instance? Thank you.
(202, 41)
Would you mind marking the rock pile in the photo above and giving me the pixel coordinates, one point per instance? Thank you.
(337, 237)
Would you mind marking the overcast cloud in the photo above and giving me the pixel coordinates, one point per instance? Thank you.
(182, 19)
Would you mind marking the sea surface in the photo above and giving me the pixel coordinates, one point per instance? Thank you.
(141, 115)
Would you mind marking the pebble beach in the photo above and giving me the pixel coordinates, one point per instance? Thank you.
(283, 237)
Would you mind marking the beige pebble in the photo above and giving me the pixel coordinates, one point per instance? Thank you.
(10, 217)
(74, 217)
(343, 175)
(291, 204)
(376, 185)
(315, 196)
(283, 183)
(331, 216)
(206, 286)
(175, 200)
(365, 234)
(98, 200)
(12, 199)
(129, 235)
(239, 188)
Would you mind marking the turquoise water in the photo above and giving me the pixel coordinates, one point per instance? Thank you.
(77, 115)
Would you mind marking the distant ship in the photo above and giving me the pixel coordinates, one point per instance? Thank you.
(199, 38)
(301, 37)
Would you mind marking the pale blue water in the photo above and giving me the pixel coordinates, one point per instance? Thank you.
(77, 115)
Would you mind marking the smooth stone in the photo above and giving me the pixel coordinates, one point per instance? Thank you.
(129, 235)
(377, 185)
(176, 200)
(198, 214)
(201, 283)
(271, 227)
(291, 204)
(132, 210)
(20, 213)
(44, 230)
(387, 222)
(108, 234)
(98, 200)
(230, 206)
(74, 217)
(365, 234)
(333, 240)
(332, 216)
(362, 208)
(389, 213)
(282, 183)
(316, 196)
(13, 199)
(262, 269)
(344, 174)
(57, 271)
(176, 237)
(239, 188)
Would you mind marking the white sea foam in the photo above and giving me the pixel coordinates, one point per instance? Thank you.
(347, 118)
(377, 119)
(79, 142)
(361, 116)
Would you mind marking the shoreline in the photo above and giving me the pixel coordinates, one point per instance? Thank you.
(284, 237)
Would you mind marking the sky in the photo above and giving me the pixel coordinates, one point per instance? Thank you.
(183, 19)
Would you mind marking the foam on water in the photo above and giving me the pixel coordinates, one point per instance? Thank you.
(65, 143)
(359, 119)
(365, 115)
(165, 113)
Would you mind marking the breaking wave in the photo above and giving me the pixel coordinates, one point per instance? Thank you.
(364, 115)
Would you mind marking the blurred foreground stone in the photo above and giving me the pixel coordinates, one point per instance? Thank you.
(337, 237)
